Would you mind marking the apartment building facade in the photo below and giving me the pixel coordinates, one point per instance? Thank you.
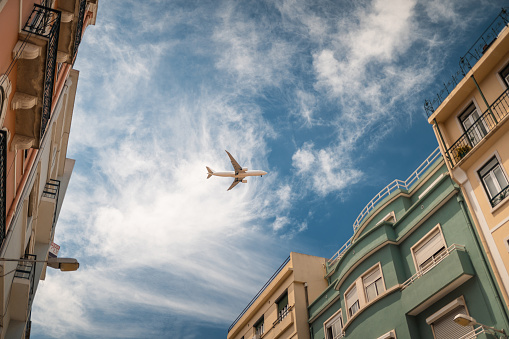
(413, 264)
(38, 45)
(470, 120)
(279, 309)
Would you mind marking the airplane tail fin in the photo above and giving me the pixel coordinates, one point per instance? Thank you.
(210, 172)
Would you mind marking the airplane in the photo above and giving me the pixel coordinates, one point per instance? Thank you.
(238, 174)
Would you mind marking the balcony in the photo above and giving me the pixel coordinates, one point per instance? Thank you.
(470, 58)
(480, 129)
(3, 183)
(284, 320)
(47, 212)
(22, 292)
(259, 293)
(71, 27)
(445, 273)
(36, 55)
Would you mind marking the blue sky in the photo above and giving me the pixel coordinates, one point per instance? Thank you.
(327, 96)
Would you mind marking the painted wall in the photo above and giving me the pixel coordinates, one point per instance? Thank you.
(406, 310)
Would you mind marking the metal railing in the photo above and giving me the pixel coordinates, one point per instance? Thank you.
(3, 184)
(259, 292)
(479, 129)
(435, 260)
(45, 22)
(396, 184)
(283, 314)
(52, 191)
(26, 270)
(480, 330)
(469, 59)
(339, 254)
(500, 196)
(79, 28)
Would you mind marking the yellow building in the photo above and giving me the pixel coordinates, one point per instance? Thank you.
(470, 120)
(279, 310)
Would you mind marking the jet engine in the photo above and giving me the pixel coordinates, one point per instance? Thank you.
(244, 181)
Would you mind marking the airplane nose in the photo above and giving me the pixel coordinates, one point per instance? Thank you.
(264, 173)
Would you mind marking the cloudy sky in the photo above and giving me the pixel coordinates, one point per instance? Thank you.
(327, 96)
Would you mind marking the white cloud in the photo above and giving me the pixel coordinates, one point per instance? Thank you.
(324, 170)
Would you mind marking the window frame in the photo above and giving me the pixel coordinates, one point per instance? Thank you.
(358, 285)
(490, 171)
(328, 324)
(281, 314)
(446, 311)
(505, 79)
(258, 326)
(378, 268)
(358, 302)
(421, 242)
(476, 135)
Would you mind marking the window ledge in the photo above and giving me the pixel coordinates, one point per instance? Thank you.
(391, 290)
(503, 202)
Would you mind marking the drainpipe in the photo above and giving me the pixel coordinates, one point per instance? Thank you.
(435, 124)
(461, 202)
(484, 99)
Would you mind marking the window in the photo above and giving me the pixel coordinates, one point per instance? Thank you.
(352, 301)
(334, 327)
(259, 328)
(473, 126)
(388, 335)
(429, 251)
(282, 306)
(443, 324)
(373, 284)
(494, 181)
(505, 75)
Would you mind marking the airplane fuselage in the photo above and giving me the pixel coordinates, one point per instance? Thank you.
(240, 175)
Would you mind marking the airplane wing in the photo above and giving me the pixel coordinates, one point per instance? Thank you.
(234, 183)
(235, 164)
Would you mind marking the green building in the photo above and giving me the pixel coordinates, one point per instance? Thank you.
(413, 264)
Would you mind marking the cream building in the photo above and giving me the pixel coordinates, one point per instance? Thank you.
(471, 124)
(38, 45)
(279, 310)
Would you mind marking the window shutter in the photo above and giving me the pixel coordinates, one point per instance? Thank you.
(372, 277)
(446, 328)
(351, 297)
(426, 250)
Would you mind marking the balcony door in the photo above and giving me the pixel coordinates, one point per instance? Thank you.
(474, 127)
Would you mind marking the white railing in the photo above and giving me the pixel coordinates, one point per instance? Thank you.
(340, 253)
(480, 330)
(395, 185)
(435, 260)
(386, 191)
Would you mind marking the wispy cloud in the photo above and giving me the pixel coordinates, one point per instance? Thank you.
(165, 88)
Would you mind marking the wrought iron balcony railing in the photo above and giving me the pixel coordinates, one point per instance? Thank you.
(435, 260)
(500, 196)
(79, 27)
(3, 184)
(259, 293)
(52, 191)
(45, 22)
(26, 270)
(469, 59)
(479, 129)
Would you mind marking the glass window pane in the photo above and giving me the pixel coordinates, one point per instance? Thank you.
(371, 292)
(502, 181)
(492, 187)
